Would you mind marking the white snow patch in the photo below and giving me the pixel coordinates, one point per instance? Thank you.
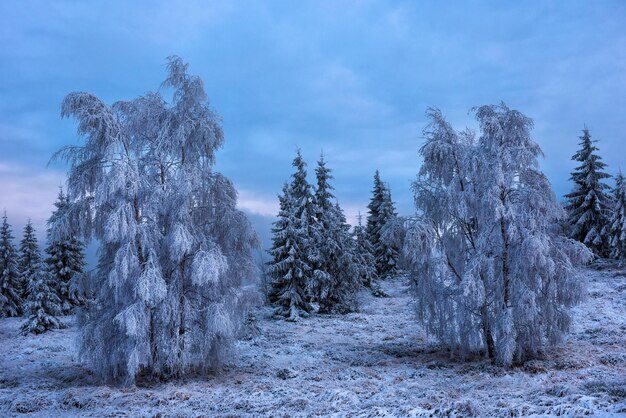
(374, 363)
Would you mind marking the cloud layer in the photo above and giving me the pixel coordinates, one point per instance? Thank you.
(351, 79)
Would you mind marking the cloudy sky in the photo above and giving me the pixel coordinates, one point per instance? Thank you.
(350, 78)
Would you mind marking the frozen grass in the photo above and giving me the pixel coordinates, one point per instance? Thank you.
(374, 363)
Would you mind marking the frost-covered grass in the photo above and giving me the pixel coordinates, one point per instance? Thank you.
(374, 363)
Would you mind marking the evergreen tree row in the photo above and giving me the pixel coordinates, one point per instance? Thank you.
(316, 258)
(596, 215)
(40, 289)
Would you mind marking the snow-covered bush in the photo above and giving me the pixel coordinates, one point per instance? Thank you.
(174, 248)
(489, 271)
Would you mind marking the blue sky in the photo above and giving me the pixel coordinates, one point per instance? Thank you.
(351, 78)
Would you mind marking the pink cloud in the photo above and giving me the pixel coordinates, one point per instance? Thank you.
(28, 194)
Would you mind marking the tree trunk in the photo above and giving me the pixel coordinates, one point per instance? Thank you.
(491, 348)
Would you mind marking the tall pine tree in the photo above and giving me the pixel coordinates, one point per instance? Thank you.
(388, 252)
(588, 204)
(288, 268)
(29, 264)
(65, 261)
(364, 254)
(10, 287)
(304, 212)
(381, 210)
(293, 250)
(617, 233)
(336, 276)
(42, 301)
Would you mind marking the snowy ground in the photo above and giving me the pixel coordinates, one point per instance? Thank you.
(374, 363)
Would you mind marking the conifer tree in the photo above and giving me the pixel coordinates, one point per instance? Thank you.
(42, 305)
(65, 261)
(10, 288)
(381, 211)
(29, 264)
(588, 204)
(305, 212)
(388, 253)
(288, 268)
(336, 276)
(617, 238)
(365, 255)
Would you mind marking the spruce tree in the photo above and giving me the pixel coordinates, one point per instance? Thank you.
(304, 212)
(29, 264)
(617, 237)
(65, 261)
(588, 203)
(288, 268)
(381, 210)
(43, 304)
(294, 246)
(10, 288)
(388, 253)
(323, 241)
(336, 276)
(341, 296)
(364, 254)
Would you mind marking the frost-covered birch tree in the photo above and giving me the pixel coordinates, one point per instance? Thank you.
(10, 288)
(174, 249)
(588, 205)
(617, 230)
(489, 272)
(65, 261)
